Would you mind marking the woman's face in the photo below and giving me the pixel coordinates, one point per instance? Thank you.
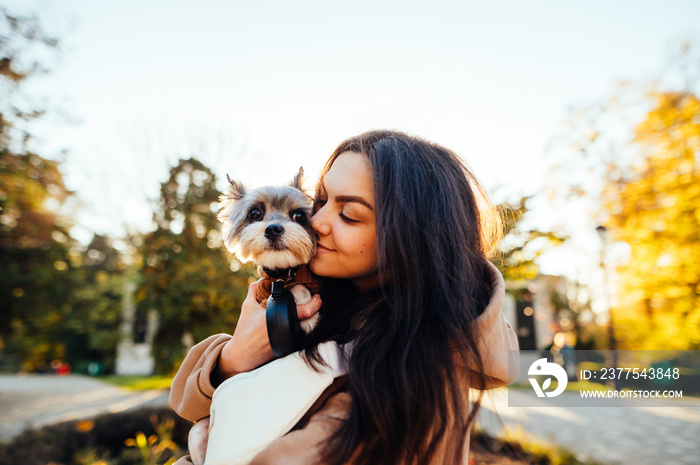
(344, 223)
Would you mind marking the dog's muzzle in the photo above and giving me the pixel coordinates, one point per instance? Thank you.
(274, 231)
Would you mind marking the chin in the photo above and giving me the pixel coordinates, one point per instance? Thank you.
(315, 269)
(319, 268)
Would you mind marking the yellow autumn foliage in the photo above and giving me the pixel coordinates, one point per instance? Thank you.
(656, 210)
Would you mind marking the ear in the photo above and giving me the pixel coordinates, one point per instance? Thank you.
(236, 190)
(298, 179)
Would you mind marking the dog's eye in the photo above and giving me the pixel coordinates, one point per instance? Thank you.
(255, 214)
(299, 217)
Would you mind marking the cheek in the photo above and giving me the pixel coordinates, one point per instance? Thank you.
(356, 244)
(367, 252)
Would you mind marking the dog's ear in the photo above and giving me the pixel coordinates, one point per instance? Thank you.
(236, 190)
(298, 179)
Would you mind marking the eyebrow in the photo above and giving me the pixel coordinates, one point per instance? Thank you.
(348, 198)
(353, 199)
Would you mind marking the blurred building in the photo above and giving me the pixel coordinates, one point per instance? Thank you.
(530, 308)
(137, 331)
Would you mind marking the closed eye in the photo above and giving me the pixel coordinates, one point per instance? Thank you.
(347, 220)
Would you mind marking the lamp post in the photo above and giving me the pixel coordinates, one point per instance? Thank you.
(612, 344)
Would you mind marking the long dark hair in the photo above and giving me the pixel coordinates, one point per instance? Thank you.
(412, 337)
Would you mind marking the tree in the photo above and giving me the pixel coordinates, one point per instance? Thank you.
(92, 327)
(25, 50)
(56, 301)
(187, 275)
(521, 246)
(35, 290)
(635, 165)
(655, 208)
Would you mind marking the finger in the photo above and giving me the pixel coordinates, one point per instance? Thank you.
(252, 292)
(310, 308)
(251, 300)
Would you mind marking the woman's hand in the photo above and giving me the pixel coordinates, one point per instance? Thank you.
(250, 345)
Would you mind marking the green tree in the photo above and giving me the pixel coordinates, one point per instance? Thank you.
(188, 277)
(35, 290)
(55, 301)
(92, 328)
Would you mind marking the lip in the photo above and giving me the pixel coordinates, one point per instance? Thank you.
(322, 249)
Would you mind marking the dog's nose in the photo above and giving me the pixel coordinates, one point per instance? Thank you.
(274, 231)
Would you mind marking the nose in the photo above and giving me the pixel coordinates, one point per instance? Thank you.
(274, 231)
(319, 223)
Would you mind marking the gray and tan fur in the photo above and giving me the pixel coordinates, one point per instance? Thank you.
(249, 238)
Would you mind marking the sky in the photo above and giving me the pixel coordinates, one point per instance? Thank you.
(257, 89)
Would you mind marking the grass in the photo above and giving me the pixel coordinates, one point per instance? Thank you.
(516, 447)
(139, 383)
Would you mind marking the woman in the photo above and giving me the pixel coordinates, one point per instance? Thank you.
(403, 235)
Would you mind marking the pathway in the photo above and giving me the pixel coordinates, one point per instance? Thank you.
(37, 400)
(636, 435)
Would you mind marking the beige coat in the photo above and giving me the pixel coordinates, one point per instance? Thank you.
(192, 388)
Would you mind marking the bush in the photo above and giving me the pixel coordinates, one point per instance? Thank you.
(517, 449)
(100, 440)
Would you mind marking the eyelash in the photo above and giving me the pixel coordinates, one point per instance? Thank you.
(346, 219)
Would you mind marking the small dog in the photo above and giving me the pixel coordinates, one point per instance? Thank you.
(270, 226)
